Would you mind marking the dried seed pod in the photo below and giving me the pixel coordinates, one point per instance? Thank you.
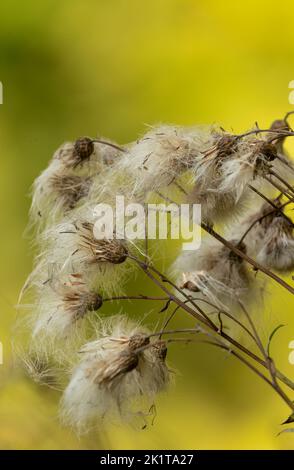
(125, 362)
(277, 247)
(99, 251)
(60, 305)
(78, 303)
(115, 372)
(75, 154)
(160, 350)
(138, 341)
(222, 174)
(266, 151)
(217, 273)
(224, 146)
(159, 157)
(83, 148)
(73, 248)
(68, 178)
(270, 238)
(279, 125)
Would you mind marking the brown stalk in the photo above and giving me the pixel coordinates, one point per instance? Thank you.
(198, 315)
(235, 249)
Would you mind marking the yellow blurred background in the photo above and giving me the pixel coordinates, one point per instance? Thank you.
(108, 67)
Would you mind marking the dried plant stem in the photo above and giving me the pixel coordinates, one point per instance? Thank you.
(249, 260)
(271, 203)
(235, 249)
(269, 361)
(269, 364)
(279, 134)
(285, 162)
(110, 144)
(273, 173)
(198, 315)
(259, 219)
(134, 297)
(279, 188)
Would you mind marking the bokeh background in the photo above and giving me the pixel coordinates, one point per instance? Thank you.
(108, 67)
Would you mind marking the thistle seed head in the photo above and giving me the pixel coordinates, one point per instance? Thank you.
(225, 146)
(83, 148)
(159, 349)
(100, 251)
(75, 154)
(115, 374)
(120, 365)
(267, 150)
(217, 273)
(138, 341)
(78, 303)
(60, 305)
(270, 236)
(280, 125)
(125, 361)
(276, 248)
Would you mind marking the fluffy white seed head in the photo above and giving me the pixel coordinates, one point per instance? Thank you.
(216, 274)
(270, 238)
(71, 247)
(60, 305)
(68, 178)
(222, 174)
(277, 248)
(161, 156)
(114, 373)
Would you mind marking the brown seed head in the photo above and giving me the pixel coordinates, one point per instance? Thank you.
(138, 341)
(83, 148)
(226, 145)
(121, 364)
(280, 125)
(104, 250)
(267, 150)
(93, 301)
(160, 350)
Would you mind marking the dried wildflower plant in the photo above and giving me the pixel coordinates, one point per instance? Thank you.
(113, 367)
(66, 182)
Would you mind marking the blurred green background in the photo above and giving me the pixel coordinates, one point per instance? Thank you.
(108, 67)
